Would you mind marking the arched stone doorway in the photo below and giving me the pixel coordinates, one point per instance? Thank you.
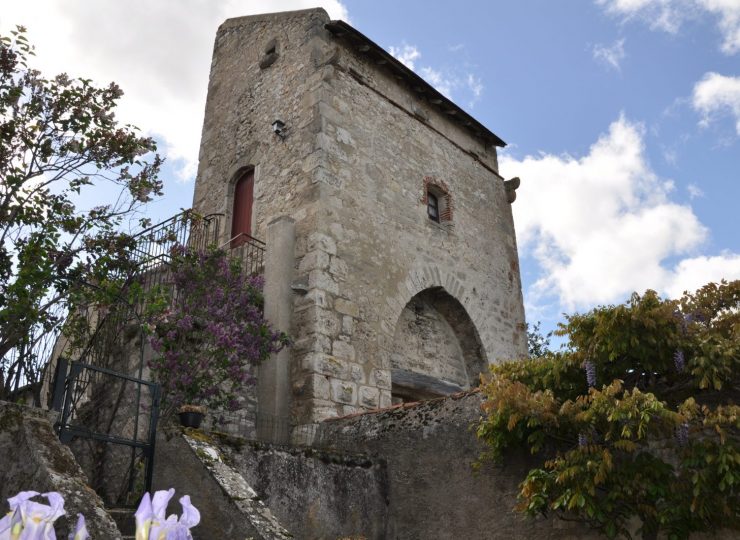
(436, 348)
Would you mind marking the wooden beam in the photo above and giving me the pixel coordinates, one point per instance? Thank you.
(424, 383)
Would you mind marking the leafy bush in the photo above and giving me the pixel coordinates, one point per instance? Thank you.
(208, 330)
(637, 417)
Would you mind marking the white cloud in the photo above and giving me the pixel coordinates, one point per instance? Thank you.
(406, 54)
(690, 274)
(716, 93)
(158, 52)
(438, 80)
(669, 15)
(695, 191)
(475, 85)
(603, 225)
(611, 56)
(445, 81)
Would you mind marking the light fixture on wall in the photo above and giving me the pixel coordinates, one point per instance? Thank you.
(278, 126)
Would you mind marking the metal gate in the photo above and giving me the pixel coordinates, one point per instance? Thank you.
(111, 420)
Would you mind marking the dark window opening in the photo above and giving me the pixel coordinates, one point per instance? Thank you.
(270, 54)
(241, 218)
(433, 207)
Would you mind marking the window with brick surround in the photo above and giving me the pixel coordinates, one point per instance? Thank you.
(437, 200)
(433, 207)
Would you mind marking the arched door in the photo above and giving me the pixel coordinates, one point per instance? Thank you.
(241, 219)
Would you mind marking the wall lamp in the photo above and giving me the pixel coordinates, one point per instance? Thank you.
(278, 126)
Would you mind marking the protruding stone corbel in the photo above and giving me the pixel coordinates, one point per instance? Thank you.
(511, 186)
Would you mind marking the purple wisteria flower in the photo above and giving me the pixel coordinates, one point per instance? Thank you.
(590, 369)
(582, 439)
(679, 360)
(682, 434)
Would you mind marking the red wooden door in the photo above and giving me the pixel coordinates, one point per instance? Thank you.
(241, 220)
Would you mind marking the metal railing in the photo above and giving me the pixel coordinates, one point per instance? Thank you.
(249, 251)
(104, 391)
(116, 416)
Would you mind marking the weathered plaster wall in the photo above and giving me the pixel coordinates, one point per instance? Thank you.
(433, 490)
(249, 489)
(32, 458)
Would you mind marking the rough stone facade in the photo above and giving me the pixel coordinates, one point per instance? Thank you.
(32, 458)
(365, 142)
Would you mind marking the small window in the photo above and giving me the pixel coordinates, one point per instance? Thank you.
(433, 207)
(438, 201)
(270, 54)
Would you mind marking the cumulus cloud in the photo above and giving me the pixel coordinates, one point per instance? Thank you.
(158, 52)
(447, 82)
(603, 225)
(690, 274)
(611, 56)
(669, 15)
(715, 94)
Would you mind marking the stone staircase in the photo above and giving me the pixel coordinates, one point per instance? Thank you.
(124, 518)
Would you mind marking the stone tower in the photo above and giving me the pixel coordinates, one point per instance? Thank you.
(382, 201)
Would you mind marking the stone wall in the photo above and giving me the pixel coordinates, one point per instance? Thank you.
(433, 491)
(192, 464)
(360, 151)
(244, 99)
(376, 248)
(248, 489)
(34, 459)
(317, 493)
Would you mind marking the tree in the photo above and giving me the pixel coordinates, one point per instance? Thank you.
(208, 330)
(637, 417)
(58, 136)
(537, 343)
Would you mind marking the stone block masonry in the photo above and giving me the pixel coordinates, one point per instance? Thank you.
(364, 143)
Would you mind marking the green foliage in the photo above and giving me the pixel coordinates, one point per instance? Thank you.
(537, 343)
(59, 136)
(654, 438)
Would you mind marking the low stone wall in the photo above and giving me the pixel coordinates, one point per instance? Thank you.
(34, 459)
(429, 448)
(194, 464)
(315, 493)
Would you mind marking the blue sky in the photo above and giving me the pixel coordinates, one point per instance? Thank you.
(622, 116)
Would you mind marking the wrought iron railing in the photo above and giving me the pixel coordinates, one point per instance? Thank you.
(111, 420)
(249, 251)
(114, 356)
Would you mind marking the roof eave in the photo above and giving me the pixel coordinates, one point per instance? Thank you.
(341, 29)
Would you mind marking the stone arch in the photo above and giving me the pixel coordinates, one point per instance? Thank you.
(436, 349)
(426, 276)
